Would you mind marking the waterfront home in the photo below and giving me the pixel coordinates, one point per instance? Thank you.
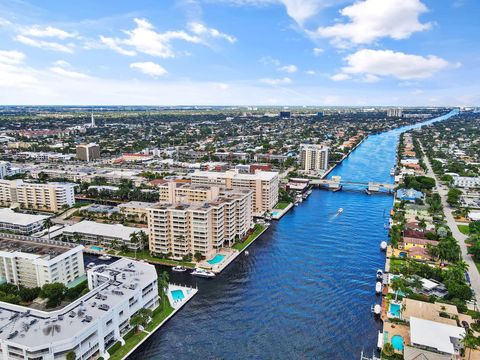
(438, 312)
(409, 242)
(409, 195)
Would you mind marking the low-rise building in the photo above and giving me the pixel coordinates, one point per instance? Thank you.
(32, 263)
(138, 210)
(20, 223)
(87, 326)
(466, 182)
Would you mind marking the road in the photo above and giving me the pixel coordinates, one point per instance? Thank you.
(443, 191)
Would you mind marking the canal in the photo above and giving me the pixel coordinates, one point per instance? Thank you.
(306, 287)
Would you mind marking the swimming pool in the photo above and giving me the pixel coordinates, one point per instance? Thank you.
(276, 213)
(96, 248)
(397, 342)
(177, 295)
(217, 259)
(395, 310)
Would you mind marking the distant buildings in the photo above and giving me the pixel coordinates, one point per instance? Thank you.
(285, 114)
(394, 112)
(197, 218)
(88, 152)
(4, 169)
(49, 196)
(19, 223)
(264, 185)
(409, 195)
(313, 157)
(466, 182)
(33, 264)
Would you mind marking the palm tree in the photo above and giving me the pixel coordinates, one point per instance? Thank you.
(469, 341)
(134, 242)
(143, 237)
(48, 224)
(163, 279)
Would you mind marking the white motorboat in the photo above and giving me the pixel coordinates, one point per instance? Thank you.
(179, 268)
(383, 246)
(246, 253)
(378, 287)
(90, 265)
(105, 257)
(379, 274)
(203, 273)
(377, 309)
(339, 211)
(392, 172)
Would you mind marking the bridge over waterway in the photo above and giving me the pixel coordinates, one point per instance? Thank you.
(336, 183)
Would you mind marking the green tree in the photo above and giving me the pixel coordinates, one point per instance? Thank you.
(48, 224)
(388, 349)
(163, 279)
(71, 355)
(134, 241)
(54, 292)
(198, 256)
(469, 341)
(141, 318)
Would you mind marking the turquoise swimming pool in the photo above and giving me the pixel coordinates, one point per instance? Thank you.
(395, 310)
(96, 248)
(276, 213)
(397, 342)
(217, 259)
(177, 295)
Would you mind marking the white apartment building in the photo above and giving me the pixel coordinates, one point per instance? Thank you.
(395, 112)
(184, 227)
(95, 233)
(4, 169)
(24, 224)
(87, 326)
(313, 158)
(466, 182)
(35, 263)
(264, 185)
(48, 197)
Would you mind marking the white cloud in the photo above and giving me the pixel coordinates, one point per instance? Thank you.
(310, 72)
(340, 77)
(62, 63)
(288, 69)
(389, 63)
(11, 57)
(317, 51)
(47, 31)
(279, 81)
(370, 20)
(68, 73)
(200, 29)
(145, 39)
(48, 45)
(149, 68)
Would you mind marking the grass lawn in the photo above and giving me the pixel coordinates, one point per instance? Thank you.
(160, 314)
(129, 345)
(145, 255)
(464, 229)
(256, 232)
(281, 205)
(396, 265)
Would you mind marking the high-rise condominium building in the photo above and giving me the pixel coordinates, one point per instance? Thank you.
(49, 196)
(264, 185)
(313, 157)
(198, 218)
(394, 112)
(88, 152)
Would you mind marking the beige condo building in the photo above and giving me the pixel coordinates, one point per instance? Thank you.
(207, 219)
(264, 185)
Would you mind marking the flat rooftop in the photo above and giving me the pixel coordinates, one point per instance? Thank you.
(259, 175)
(31, 247)
(9, 216)
(39, 329)
(99, 229)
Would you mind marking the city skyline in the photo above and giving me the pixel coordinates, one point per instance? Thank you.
(239, 52)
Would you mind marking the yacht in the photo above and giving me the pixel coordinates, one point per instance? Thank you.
(90, 265)
(383, 246)
(379, 274)
(376, 309)
(105, 257)
(179, 268)
(392, 172)
(378, 287)
(203, 273)
(339, 211)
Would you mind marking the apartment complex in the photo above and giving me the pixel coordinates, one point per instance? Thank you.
(198, 218)
(24, 224)
(48, 197)
(87, 326)
(264, 185)
(313, 158)
(88, 152)
(35, 263)
(394, 112)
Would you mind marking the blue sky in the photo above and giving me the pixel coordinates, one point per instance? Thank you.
(240, 52)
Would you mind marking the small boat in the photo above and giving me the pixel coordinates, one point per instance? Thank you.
(309, 192)
(337, 189)
(378, 287)
(246, 253)
(379, 274)
(383, 246)
(267, 224)
(376, 309)
(90, 265)
(296, 204)
(392, 172)
(105, 257)
(203, 273)
(179, 268)
(339, 211)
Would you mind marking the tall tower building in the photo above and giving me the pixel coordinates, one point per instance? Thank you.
(93, 121)
(313, 157)
(88, 152)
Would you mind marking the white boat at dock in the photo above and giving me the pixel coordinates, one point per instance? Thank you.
(392, 171)
(379, 274)
(179, 268)
(105, 257)
(378, 287)
(383, 246)
(90, 265)
(203, 273)
(376, 309)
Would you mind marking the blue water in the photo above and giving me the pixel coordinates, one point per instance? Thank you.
(177, 295)
(395, 310)
(217, 259)
(397, 342)
(306, 287)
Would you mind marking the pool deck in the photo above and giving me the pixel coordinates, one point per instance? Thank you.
(189, 294)
(281, 212)
(391, 329)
